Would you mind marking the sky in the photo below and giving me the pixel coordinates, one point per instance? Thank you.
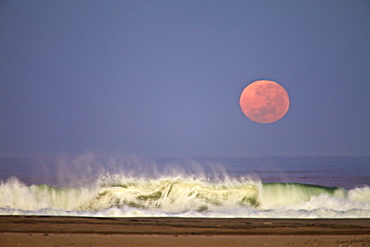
(163, 78)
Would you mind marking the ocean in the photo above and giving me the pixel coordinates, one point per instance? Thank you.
(130, 186)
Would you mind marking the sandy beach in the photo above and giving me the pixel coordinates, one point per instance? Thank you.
(85, 231)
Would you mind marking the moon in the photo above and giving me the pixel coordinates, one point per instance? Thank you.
(264, 101)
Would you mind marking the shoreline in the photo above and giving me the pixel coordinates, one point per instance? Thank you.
(172, 231)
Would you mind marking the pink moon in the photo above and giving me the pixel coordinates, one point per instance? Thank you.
(264, 101)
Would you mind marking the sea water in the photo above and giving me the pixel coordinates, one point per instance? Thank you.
(124, 186)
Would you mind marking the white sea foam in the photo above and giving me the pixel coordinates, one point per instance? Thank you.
(174, 196)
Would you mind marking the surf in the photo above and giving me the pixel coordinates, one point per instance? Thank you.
(121, 196)
(175, 195)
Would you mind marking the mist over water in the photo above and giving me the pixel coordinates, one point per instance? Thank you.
(126, 186)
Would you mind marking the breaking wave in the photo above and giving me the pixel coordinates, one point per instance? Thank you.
(120, 196)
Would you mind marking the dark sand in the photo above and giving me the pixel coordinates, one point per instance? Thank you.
(84, 231)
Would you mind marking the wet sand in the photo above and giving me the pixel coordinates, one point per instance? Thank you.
(85, 231)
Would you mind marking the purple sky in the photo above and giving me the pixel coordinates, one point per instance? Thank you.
(163, 78)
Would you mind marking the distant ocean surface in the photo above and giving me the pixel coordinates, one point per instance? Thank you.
(129, 186)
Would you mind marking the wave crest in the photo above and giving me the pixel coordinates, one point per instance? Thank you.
(117, 195)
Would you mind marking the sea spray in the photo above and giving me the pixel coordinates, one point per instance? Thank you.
(121, 186)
